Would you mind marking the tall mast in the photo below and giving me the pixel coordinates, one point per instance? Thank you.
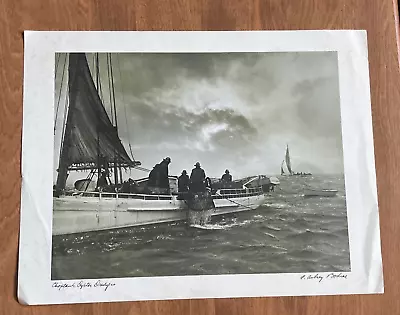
(112, 92)
(98, 131)
(61, 87)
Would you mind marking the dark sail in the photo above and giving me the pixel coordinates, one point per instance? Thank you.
(90, 138)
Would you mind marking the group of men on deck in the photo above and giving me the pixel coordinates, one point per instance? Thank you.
(197, 182)
(158, 180)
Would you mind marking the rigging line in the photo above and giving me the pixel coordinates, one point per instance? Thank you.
(97, 127)
(141, 169)
(93, 71)
(99, 82)
(97, 71)
(90, 177)
(98, 131)
(109, 89)
(59, 94)
(113, 93)
(113, 106)
(66, 109)
(233, 201)
(123, 100)
(57, 62)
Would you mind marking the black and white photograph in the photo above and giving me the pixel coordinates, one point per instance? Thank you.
(197, 164)
(186, 165)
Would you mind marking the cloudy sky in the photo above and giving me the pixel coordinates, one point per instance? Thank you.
(230, 110)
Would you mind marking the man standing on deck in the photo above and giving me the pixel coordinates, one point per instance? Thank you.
(183, 182)
(102, 181)
(153, 176)
(164, 174)
(197, 178)
(227, 178)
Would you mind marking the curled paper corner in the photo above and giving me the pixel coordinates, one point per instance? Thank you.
(380, 288)
(26, 294)
(376, 277)
(376, 284)
(372, 251)
(21, 295)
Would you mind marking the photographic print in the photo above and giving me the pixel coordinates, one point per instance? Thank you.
(184, 165)
(194, 164)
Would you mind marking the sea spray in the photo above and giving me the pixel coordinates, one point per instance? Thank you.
(202, 217)
(201, 206)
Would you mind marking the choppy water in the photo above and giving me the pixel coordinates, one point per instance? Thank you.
(289, 233)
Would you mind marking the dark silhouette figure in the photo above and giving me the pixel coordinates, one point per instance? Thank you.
(129, 186)
(154, 176)
(102, 181)
(183, 182)
(159, 175)
(163, 174)
(226, 177)
(197, 178)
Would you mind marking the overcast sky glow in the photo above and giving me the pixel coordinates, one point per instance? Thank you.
(231, 110)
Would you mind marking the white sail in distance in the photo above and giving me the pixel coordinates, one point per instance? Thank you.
(287, 160)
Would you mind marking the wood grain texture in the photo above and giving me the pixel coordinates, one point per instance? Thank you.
(377, 17)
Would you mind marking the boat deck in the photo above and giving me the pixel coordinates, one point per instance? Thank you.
(219, 194)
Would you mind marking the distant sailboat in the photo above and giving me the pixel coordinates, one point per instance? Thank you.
(287, 162)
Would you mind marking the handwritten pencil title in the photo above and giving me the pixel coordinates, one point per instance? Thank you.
(80, 285)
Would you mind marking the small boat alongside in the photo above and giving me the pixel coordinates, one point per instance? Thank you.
(320, 193)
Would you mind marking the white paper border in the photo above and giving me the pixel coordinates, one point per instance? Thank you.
(34, 283)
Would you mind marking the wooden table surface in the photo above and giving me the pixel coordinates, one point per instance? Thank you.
(376, 16)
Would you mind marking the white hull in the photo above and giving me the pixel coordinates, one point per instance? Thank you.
(85, 213)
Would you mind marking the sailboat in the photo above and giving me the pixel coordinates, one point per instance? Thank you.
(287, 162)
(90, 142)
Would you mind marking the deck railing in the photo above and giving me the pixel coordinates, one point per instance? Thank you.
(118, 195)
(221, 194)
(238, 193)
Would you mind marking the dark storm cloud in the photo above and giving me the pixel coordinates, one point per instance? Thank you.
(179, 124)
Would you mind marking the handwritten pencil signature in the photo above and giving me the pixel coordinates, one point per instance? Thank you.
(320, 278)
